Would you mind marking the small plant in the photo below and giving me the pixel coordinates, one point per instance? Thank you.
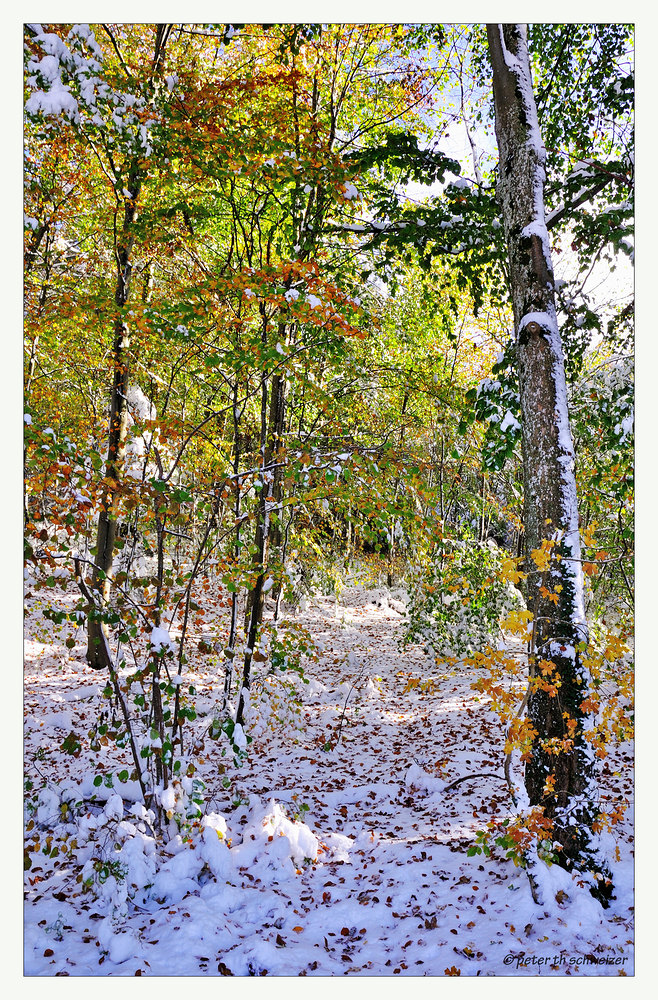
(297, 810)
(105, 869)
(56, 927)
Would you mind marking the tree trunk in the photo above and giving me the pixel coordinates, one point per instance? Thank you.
(396, 490)
(97, 650)
(229, 651)
(116, 451)
(268, 535)
(550, 507)
(254, 609)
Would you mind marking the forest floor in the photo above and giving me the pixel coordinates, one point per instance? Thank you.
(339, 856)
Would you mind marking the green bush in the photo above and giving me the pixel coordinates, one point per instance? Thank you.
(456, 605)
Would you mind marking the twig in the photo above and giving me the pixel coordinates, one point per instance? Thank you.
(342, 716)
(114, 678)
(467, 777)
(89, 562)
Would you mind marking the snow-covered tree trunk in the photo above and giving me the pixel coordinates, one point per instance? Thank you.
(560, 772)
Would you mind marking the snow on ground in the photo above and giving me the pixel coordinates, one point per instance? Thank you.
(319, 856)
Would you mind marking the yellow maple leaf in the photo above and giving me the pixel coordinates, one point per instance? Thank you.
(509, 571)
(542, 556)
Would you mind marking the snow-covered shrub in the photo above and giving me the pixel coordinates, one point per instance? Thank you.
(458, 604)
(112, 848)
(276, 841)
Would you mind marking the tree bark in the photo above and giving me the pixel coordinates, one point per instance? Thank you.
(550, 504)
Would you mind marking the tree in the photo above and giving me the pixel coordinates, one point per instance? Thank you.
(560, 772)
(129, 181)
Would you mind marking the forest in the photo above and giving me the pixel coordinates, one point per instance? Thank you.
(328, 499)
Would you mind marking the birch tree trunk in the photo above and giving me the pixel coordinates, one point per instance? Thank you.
(560, 772)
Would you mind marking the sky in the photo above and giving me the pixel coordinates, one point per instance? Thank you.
(605, 285)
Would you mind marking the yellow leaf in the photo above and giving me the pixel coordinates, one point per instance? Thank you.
(510, 572)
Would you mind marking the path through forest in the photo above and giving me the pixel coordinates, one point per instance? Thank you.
(391, 889)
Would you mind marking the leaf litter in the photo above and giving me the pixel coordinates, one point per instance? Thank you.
(336, 849)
